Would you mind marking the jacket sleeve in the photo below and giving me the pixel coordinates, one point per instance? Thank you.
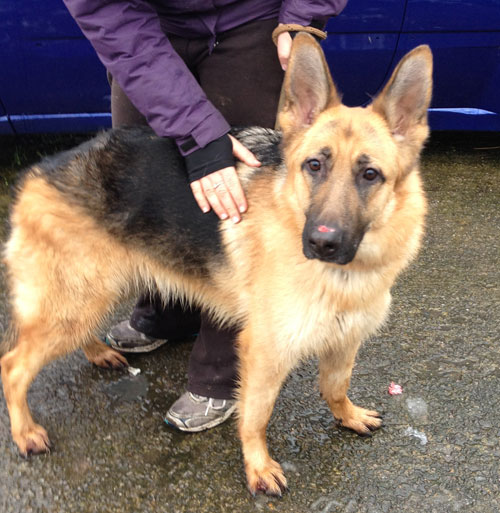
(310, 12)
(128, 39)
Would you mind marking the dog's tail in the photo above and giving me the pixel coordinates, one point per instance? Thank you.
(9, 339)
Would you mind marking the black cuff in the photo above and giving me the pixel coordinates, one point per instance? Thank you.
(214, 156)
(317, 24)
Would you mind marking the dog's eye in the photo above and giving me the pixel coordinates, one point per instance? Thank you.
(370, 174)
(314, 165)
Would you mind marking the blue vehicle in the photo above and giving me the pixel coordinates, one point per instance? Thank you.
(52, 81)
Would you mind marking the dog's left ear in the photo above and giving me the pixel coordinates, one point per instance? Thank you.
(406, 97)
(308, 86)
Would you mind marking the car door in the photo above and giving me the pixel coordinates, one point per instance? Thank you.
(6, 47)
(51, 77)
(5, 127)
(361, 45)
(465, 40)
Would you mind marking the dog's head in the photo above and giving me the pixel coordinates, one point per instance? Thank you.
(347, 165)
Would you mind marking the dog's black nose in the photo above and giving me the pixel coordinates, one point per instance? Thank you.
(324, 241)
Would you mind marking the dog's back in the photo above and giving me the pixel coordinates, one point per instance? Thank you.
(133, 184)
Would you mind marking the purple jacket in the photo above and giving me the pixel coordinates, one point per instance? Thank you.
(129, 38)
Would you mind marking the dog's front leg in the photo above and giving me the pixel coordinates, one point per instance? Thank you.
(335, 374)
(262, 372)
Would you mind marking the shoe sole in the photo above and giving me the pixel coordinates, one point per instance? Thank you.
(197, 429)
(139, 349)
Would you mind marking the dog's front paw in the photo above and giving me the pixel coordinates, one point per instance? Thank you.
(110, 358)
(362, 421)
(104, 356)
(32, 440)
(267, 478)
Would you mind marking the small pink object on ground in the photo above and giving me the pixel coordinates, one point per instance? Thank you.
(395, 389)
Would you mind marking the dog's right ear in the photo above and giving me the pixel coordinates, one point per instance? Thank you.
(308, 86)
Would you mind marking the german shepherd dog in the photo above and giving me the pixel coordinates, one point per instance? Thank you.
(336, 212)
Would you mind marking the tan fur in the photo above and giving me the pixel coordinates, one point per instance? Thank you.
(65, 272)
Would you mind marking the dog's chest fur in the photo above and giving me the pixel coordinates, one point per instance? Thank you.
(341, 310)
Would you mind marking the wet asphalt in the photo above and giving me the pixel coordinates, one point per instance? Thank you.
(439, 450)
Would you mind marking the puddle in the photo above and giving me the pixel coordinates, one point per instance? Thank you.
(127, 388)
(417, 408)
(419, 435)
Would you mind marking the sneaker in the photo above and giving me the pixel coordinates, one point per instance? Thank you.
(126, 339)
(193, 412)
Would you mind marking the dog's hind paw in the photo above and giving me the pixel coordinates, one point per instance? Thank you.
(33, 440)
(268, 479)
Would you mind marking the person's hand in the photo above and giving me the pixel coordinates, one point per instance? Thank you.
(284, 45)
(221, 190)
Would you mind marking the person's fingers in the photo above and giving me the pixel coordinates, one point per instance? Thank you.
(284, 45)
(233, 184)
(199, 196)
(242, 153)
(224, 192)
(221, 191)
(211, 185)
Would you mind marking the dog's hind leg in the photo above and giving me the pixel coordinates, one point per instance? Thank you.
(65, 274)
(19, 367)
(262, 373)
(335, 374)
(100, 354)
(38, 343)
(51, 321)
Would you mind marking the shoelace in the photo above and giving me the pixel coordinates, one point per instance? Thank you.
(211, 405)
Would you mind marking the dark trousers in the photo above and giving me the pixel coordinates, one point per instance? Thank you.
(242, 77)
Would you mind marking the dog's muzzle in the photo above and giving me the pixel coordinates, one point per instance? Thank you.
(329, 243)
